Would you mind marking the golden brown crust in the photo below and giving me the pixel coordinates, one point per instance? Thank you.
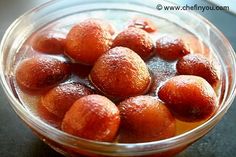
(120, 73)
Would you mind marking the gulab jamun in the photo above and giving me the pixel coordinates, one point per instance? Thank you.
(143, 23)
(35, 75)
(171, 48)
(137, 40)
(196, 45)
(105, 24)
(193, 64)
(59, 99)
(92, 117)
(190, 98)
(144, 119)
(49, 43)
(87, 41)
(120, 73)
(48, 117)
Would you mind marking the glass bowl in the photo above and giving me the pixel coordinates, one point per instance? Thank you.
(70, 145)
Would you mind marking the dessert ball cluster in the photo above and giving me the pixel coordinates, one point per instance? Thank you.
(110, 99)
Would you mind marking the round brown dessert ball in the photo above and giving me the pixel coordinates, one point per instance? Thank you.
(87, 41)
(59, 99)
(47, 116)
(120, 73)
(190, 98)
(171, 48)
(193, 64)
(143, 23)
(50, 43)
(105, 24)
(137, 40)
(92, 117)
(35, 75)
(144, 119)
(196, 45)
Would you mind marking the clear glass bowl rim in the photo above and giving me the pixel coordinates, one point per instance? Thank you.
(94, 146)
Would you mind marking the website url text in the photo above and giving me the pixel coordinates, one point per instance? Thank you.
(192, 7)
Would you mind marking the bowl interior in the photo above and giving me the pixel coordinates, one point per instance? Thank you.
(117, 12)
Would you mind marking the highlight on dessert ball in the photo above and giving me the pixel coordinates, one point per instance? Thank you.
(120, 73)
(110, 82)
